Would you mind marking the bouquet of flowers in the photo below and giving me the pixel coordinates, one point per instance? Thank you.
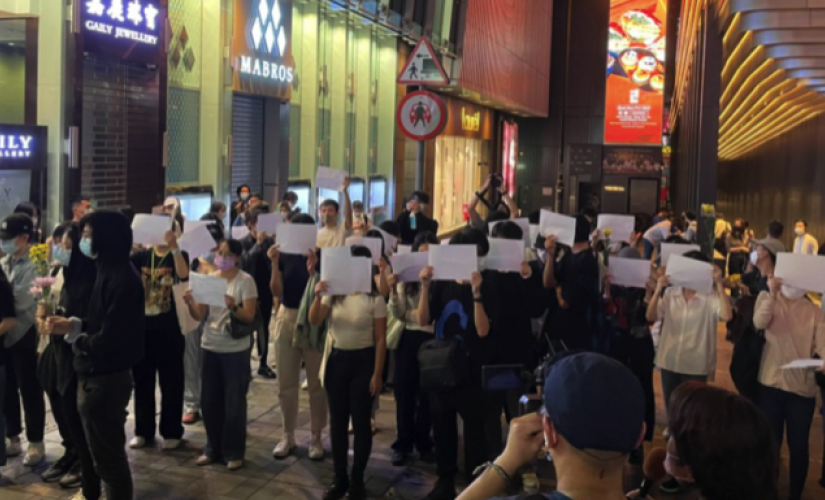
(42, 285)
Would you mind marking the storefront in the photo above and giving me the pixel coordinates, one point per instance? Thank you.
(463, 159)
(342, 112)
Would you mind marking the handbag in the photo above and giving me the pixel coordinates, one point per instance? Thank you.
(239, 330)
(395, 328)
(442, 363)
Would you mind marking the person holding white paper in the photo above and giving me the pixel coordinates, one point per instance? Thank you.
(575, 280)
(352, 376)
(160, 267)
(465, 309)
(334, 233)
(290, 275)
(255, 263)
(412, 417)
(383, 264)
(687, 348)
(626, 309)
(225, 371)
(794, 329)
(521, 299)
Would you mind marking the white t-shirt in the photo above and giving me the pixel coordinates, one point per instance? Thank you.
(216, 336)
(333, 237)
(351, 321)
(688, 334)
(806, 244)
(659, 232)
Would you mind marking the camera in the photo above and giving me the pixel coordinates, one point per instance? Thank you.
(495, 181)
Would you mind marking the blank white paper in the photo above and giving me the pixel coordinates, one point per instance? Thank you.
(669, 249)
(801, 271)
(404, 249)
(799, 364)
(505, 255)
(197, 242)
(344, 273)
(690, 273)
(453, 262)
(632, 273)
(330, 178)
(374, 244)
(622, 226)
(523, 223)
(208, 290)
(239, 232)
(563, 227)
(296, 239)
(150, 229)
(408, 266)
(269, 223)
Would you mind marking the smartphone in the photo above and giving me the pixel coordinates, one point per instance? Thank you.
(502, 377)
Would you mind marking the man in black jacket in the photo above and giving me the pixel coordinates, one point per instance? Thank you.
(107, 344)
(413, 221)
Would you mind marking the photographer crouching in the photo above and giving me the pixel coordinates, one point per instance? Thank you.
(593, 417)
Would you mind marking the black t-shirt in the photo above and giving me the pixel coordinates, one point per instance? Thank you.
(452, 310)
(755, 282)
(6, 311)
(577, 275)
(295, 277)
(158, 276)
(512, 338)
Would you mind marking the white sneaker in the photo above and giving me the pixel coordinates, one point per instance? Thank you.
(284, 447)
(13, 447)
(305, 385)
(316, 448)
(137, 442)
(79, 496)
(35, 454)
(170, 444)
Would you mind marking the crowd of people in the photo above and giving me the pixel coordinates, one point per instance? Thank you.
(118, 327)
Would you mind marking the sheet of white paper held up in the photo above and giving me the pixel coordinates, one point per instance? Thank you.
(208, 290)
(330, 178)
(690, 273)
(453, 262)
(563, 227)
(629, 272)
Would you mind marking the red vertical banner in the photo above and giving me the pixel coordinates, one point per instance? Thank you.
(634, 104)
(509, 157)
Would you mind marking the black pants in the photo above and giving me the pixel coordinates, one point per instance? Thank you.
(496, 402)
(74, 428)
(21, 374)
(59, 414)
(412, 415)
(638, 355)
(347, 382)
(468, 402)
(164, 360)
(262, 340)
(102, 402)
(225, 381)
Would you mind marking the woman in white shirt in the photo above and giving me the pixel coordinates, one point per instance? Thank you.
(352, 378)
(225, 373)
(687, 347)
(412, 416)
(794, 329)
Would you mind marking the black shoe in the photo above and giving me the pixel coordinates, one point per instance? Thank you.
(670, 486)
(59, 468)
(822, 481)
(442, 491)
(356, 490)
(266, 372)
(400, 458)
(73, 478)
(337, 490)
(428, 457)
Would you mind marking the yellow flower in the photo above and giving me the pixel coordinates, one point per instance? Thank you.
(608, 232)
(708, 209)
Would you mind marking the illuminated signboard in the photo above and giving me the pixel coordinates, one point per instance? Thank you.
(262, 48)
(131, 29)
(509, 156)
(634, 104)
(22, 147)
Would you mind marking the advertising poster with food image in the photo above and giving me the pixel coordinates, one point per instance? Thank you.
(634, 104)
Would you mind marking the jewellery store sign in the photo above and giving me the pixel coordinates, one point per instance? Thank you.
(127, 29)
(262, 48)
(22, 147)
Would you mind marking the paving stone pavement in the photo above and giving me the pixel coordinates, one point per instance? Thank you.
(174, 475)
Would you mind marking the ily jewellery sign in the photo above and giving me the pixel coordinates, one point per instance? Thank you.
(22, 147)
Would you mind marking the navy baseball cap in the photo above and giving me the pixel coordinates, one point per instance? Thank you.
(595, 403)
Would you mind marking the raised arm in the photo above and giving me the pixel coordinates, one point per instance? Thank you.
(347, 206)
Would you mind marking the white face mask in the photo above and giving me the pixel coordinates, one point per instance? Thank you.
(482, 263)
(799, 231)
(754, 257)
(792, 293)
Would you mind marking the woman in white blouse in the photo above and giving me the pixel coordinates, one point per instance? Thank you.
(412, 416)
(352, 377)
(687, 347)
(794, 329)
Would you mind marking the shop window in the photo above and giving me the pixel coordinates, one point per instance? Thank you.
(13, 70)
(378, 199)
(458, 173)
(304, 191)
(397, 9)
(356, 190)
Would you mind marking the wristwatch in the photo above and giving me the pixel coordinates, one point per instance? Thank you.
(176, 252)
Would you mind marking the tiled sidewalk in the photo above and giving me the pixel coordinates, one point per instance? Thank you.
(174, 475)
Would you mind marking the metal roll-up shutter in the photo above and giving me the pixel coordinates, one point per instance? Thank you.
(247, 142)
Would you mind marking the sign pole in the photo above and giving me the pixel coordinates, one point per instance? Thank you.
(419, 161)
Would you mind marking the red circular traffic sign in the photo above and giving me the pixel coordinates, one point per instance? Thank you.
(421, 115)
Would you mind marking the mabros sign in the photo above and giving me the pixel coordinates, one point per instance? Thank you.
(262, 48)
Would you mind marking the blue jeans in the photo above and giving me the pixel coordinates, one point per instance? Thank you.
(786, 409)
(649, 247)
(225, 379)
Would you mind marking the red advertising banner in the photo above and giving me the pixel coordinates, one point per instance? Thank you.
(509, 156)
(634, 104)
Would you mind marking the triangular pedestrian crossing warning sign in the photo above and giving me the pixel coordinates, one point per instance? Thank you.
(423, 67)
